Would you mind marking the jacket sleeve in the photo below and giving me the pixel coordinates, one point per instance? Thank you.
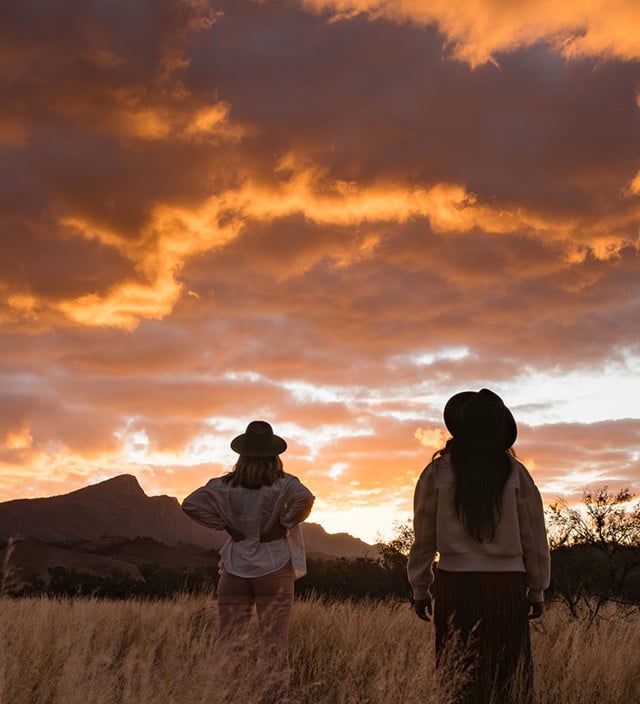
(203, 507)
(423, 550)
(533, 537)
(298, 504)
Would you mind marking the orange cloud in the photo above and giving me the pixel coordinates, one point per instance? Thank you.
(18, 440)
(478, 31)
(175, 234)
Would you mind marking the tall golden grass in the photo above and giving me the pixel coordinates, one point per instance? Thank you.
(86, 651)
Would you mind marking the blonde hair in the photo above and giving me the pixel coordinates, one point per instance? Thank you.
(255, 472)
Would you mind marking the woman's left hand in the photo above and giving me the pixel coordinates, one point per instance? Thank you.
(423, 608)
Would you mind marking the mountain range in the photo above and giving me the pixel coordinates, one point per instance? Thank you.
(119, 507)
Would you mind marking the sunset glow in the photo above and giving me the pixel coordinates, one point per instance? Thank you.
(330, 214)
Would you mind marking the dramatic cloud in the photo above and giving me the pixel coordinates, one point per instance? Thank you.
(332, 215)
(475, 31)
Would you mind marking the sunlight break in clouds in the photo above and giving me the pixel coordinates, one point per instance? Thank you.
(175, 234)
(18, 440)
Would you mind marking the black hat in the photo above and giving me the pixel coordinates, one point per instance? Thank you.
(258, 441)
(480, 418)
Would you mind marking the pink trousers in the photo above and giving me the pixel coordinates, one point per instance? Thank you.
(273, 596)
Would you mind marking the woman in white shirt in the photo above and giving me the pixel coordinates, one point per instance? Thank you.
(261, 508)
(478, 508)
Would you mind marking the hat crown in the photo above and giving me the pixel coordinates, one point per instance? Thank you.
(481, 419)
(259, 427)
(484, 411)
(258, 440)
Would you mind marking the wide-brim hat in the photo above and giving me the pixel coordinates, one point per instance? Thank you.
(480, 418)
(258, 441)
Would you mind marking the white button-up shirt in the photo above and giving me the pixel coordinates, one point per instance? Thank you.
(254, 512)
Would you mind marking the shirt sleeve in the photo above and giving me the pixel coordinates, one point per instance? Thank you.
(298, 504)
(203, 507)
(423, 550)
(533, 537)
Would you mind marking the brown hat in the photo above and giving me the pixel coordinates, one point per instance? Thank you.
(258, 441)
(480, 418)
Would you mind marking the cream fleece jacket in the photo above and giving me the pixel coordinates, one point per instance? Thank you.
(520, 541)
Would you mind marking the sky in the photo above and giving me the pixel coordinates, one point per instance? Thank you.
(331, 215)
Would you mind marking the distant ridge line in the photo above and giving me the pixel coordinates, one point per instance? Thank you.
(119, 507)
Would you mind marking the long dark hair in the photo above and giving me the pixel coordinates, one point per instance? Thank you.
(255, 472)
(480, 478)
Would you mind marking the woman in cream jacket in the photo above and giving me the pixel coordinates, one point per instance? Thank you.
(478, 509)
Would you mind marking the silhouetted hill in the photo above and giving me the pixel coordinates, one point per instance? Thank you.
(119, 507)
(319, 543)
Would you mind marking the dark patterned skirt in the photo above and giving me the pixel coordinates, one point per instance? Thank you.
(481, 622)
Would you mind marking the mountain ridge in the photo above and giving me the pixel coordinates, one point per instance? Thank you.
(119, 507)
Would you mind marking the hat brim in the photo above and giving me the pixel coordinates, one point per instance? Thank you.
(454, 421)
(248, 446)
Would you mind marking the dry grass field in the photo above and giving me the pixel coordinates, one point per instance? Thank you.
(133, 652)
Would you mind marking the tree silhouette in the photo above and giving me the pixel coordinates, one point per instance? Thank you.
(596, 548)
(394, 555)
